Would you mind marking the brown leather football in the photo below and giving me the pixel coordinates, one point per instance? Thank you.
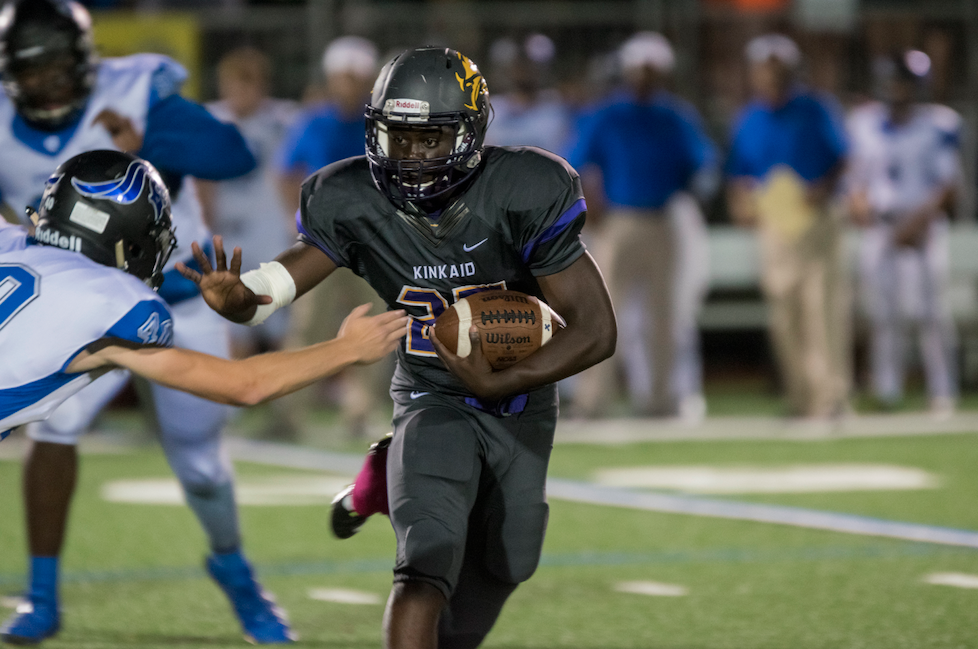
(513, 325)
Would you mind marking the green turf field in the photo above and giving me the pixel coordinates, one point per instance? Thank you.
(133, 573)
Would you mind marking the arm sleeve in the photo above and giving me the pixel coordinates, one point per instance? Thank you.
(183, 138)
(316, 221)
(148, 323)
(551, 239)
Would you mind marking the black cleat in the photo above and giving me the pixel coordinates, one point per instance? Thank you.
(344, 521)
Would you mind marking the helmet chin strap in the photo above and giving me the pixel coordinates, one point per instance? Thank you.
(120, 255)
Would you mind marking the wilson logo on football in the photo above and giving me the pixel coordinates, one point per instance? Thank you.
(506, 339)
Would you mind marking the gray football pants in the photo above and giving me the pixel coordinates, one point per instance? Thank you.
(468, 503)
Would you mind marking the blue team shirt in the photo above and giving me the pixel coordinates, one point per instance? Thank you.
(320, 137)
(806, 134)
(646, 151)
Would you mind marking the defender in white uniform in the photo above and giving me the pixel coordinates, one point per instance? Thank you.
(905, 170)
(58, 100)
(67, 314)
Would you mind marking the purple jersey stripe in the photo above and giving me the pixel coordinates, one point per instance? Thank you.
(554, 230)
(305, 237)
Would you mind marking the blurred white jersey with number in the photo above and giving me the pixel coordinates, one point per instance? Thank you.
(53, 304)
(901, 168)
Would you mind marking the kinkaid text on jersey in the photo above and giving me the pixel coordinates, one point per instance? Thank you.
(445, 271)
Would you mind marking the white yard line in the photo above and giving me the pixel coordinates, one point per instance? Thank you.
(954, 579)
(344, 596)
(625, 431)
(794, 478)
(651, 588)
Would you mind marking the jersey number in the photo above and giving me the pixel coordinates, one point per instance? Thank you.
(19, 285)
(418, 343)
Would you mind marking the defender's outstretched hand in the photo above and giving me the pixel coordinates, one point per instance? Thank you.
(221, 285)
(373, 337)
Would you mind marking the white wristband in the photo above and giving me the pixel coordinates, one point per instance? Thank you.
(270, 279)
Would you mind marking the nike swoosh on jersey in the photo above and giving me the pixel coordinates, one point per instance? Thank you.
(418, 395)
(474, 246)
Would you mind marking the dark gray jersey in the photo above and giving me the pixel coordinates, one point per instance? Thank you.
(519, 219)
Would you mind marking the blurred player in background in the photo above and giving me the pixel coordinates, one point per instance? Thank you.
(332, 131)
(787, 155)
(248, 212)
(904, 175)
(649, 151)
(323, 135)
(60, 100)
(430, 215)
(528, 112)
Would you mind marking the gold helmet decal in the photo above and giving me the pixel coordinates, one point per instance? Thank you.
(473, 81)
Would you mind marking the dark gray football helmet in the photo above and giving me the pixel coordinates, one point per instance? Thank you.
(432, 86)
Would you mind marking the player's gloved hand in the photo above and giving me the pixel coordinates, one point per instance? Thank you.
(473, 370)
(221, 285)
(124, 134)
(373, 337)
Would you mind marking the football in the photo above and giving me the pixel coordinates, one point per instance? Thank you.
(513, 325)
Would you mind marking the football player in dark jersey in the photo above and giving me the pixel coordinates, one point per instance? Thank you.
(428, 216)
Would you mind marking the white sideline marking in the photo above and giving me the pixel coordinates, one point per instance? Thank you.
(343, 596)
(627, 431)
(267, 491)
(577, 491)
(757, 512)
(652, 588)
(802, 478)
(955, 579)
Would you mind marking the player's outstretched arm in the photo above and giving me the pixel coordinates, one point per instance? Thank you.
(221, 284)
(249, 381)
(580, 295)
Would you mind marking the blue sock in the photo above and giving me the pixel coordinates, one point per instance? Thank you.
(44, 580)
(233, 568)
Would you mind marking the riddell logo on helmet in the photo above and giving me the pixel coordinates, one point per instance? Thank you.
(408, 105)
(54, 238)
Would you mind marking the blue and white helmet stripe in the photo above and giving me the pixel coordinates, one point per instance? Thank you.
(125, 190)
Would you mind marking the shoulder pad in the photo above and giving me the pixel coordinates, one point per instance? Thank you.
(168, 76)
